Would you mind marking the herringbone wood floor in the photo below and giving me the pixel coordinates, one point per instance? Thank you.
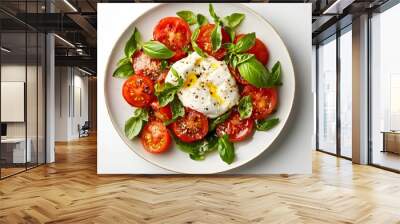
(69, 191)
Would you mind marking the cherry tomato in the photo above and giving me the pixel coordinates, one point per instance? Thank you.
(235, 73)
(237, 130)
(161, 113)
(138, 90)
(175, 33)
(143, 64)
(259, 50)
(155, 137)
(204, 41)
(192, 127)
(264, 100)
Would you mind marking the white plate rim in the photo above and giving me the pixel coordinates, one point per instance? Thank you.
(236, 164)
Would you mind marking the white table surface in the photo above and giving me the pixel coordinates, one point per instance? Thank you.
(289, 154)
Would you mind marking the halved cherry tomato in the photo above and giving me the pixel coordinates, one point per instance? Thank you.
(155, 137)
(259, 50)
(264, 100)
(175, 33)
(204, 41)
(235, 73)
(192, 127)
(237, 130)
(143, 64)
(161, 113)
(138, 90)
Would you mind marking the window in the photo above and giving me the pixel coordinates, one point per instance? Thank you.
(385, 89)
(346, 93)
(327, 96)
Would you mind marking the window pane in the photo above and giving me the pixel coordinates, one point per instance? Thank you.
(345, 94)
(385, 84)
(327, 96)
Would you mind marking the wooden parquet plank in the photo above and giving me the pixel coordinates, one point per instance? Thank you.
(70, 191)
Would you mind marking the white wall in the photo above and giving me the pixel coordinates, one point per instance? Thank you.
(71, 94)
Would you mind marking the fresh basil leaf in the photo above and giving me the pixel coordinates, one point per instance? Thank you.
(124, 61)
(195, 34)
(156, 49)
(229, 46)
(212, 13)
(188, 16)
(231, 33)
(123, 70)
(166, 93)
(197, 150)
(226, 149)
(275, 79)
(214, 122)
(177, 108)
(216, 38)
(133, 43)
(254, 72)
(197, 157)
(198, 50)
(267, 124)
(164, 65)
(240, 58)
(175, 73)
(134, 124)
(195, 47)
(233, 20)
(201, 20)
(245, 107)
(245, 43)
(141, 113)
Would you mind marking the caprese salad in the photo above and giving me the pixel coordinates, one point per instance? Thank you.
(198, 83)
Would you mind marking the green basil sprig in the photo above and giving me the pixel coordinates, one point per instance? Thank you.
(124, 67)
(156, 49)
(198, 150)
(166, 93)
(235, 51)
(226, 149)
(134, 124)
(191, 18)
(267, 124)
(245, 107)
(212, 124)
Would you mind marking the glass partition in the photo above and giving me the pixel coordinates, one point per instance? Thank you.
(14, 155)
(22, 77)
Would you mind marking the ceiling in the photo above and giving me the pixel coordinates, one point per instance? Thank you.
(76, 21)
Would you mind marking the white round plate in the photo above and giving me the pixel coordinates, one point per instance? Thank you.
(174, 159)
